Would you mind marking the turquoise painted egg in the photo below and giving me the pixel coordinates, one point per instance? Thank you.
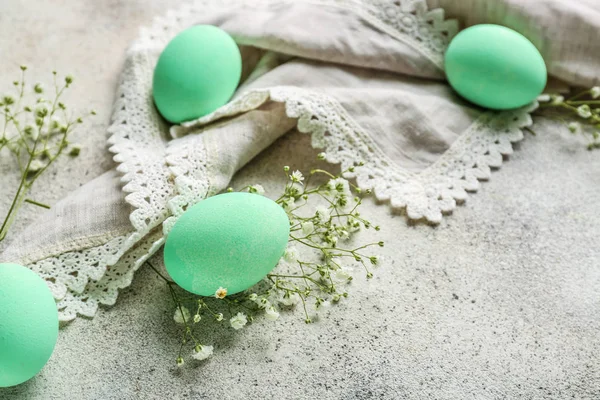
(196, 73)
(495, 67)
(28, 324)
(232, 240)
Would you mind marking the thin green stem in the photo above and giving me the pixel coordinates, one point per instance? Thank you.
(576, 103)
(36, 203)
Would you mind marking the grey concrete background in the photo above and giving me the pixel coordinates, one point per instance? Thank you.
(501, 300)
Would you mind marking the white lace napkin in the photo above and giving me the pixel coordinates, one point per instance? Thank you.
(363, 78)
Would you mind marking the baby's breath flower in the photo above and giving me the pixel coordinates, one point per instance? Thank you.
(374, 260)
(55, 123)
(182, 318)
(344, 234)
(557, 100)
(271, 314)
(36, 165)
(297, 177)
(238, 321)
(574, 127)
(323, 304)
(340, 185)
(31, 131)
(342, 274)
(75, 150)
(258, 189)
(291, 254)
(543, 98)
(221, 293)
(263, 302)
(197, 318)
(8, 100)
(180, 362)
(323, 213)
(322, 156)
(38, 88)
(584, 111)
(253, 297)
(41, 110)
(353, 224)
(308, 228)
(595, 92)
(202, 352)
(290, 299)
(219, 317)
(289, 204)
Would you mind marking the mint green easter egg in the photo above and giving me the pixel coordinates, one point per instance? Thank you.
(231, 240)
(28, 324)
(495, 67)
(196, 73)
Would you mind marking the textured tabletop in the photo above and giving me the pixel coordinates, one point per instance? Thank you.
(501, 300)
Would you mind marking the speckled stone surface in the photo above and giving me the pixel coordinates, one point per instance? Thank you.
(501, 300)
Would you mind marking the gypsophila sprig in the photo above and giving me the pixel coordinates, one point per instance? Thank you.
(583, 106)
(36, 131)
(316, 271)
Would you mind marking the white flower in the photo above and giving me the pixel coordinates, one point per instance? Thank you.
(8, 100)
(543, 98)
(202, 352)
(41, 110)
(253, 297)
(322, 156)
(574, 127)
(221, 293)
(353, 224)
(289, 204)
(323, 213)
(584, 111)
(324, 304)
(219, 317)
(239, 321)
(179, 318)
(595, 92)
(197, 318)
(308, 228)
(258, 189)
(180, 362)
(342, 274)
(31, 131)
(290, 300)
(263, 302)
(55, 122)
(339, 185)
(556, 100)
(297, 177)
(331, 239)
(36, 165)
(291, 254)
(271, 314)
